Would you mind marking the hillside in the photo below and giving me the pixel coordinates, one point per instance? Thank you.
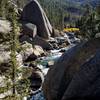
(72, 9)
(82, 2)
(68, 11)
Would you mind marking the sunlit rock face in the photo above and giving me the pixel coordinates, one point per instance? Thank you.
(5, 26)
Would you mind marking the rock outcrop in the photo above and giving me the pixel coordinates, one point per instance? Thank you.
(33, 13)
(72, 75)
(85, 84)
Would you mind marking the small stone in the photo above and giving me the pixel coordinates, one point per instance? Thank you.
(50, 63)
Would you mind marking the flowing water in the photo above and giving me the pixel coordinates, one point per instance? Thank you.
(54, 55)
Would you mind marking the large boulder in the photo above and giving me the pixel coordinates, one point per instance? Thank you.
(86, 82)
(29, 29)
(39, 49)
(65, 79)
(27, 51)
(37, 52)
(33, 13)
(42, 42)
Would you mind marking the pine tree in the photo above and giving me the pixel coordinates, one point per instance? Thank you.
(20, 88)
(14, 47)
(2, 8)
(89, 24)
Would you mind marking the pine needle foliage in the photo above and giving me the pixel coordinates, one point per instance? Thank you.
(90, 24)
(18, 88)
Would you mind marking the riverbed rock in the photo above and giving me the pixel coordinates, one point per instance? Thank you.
(60, 77)
(37, 52)
(33, 13)
(27, 51)
(42, 42)
(36, 41)
(31, 52)
(36, 80)
(56, 33)
(39, 49)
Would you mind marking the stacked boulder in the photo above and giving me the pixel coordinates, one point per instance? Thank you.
(35, 24)
(34, 14)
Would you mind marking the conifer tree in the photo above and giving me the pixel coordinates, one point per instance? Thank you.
(89, 24)
(2, 8)
(20, 88)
